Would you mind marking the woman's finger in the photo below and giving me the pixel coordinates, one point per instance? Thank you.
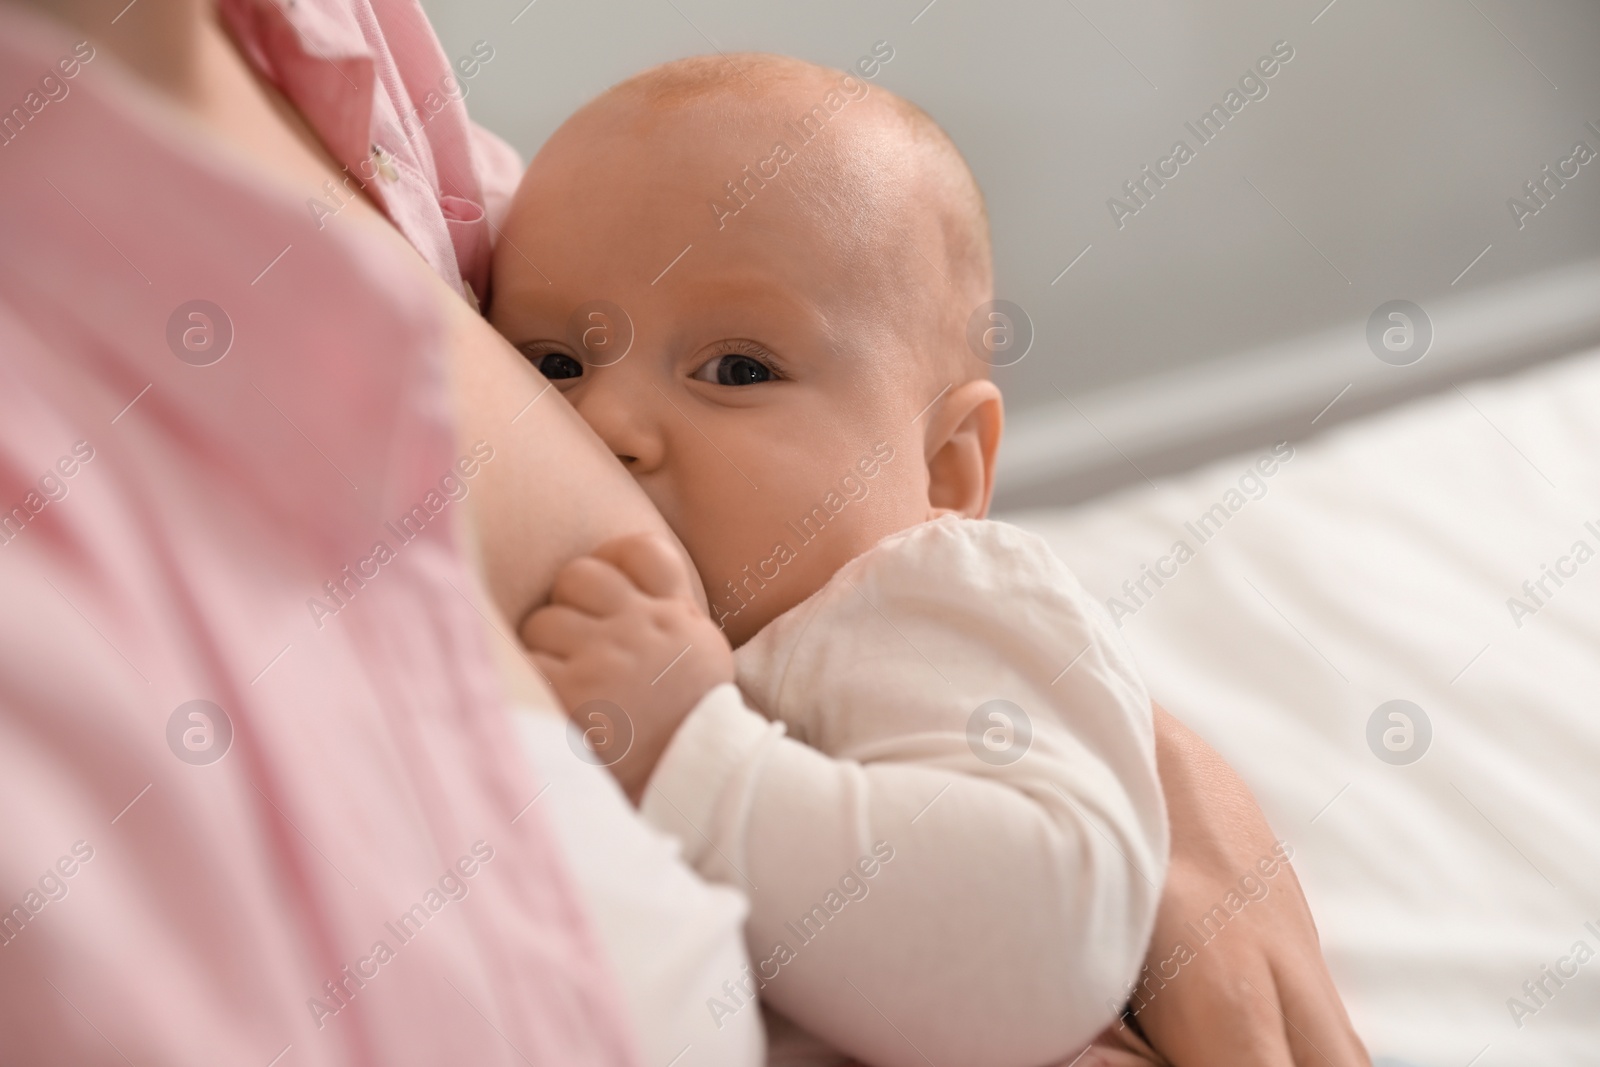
(1227, 1016)
(1320, 1034)
(1118, 1046)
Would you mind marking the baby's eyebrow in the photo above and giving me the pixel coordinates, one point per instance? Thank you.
(762, 299)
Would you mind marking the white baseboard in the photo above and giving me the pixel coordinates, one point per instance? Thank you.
(1068, 451)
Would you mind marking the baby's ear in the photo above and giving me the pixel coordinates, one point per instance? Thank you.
(962, 439)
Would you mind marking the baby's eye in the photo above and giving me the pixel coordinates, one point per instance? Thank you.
(734, 369)
(554, 365)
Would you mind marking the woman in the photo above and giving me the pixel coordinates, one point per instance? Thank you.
(319, 99)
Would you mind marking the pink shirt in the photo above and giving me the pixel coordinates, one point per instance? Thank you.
(371, 80)
(250, 503)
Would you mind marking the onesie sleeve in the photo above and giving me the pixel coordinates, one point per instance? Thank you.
(958, 848)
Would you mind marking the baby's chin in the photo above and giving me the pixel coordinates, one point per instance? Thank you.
(747, 594)
(745, 597)
(742, 617)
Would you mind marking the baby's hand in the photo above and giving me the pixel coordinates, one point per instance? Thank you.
(623, 626)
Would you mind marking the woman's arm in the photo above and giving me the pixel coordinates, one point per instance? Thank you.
(1258, 994)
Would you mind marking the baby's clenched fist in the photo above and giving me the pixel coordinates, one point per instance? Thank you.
(623, 626)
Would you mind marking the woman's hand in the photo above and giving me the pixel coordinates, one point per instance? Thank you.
(1250, 987)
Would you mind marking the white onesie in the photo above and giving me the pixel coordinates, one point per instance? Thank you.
(946, 814)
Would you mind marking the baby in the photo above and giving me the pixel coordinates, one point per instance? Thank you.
(934, 778)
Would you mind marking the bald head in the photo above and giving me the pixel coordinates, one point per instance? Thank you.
(872, 172)
(753, 282)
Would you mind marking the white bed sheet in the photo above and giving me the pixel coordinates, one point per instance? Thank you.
(1378, 566)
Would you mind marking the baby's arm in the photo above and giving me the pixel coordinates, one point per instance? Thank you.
(1029, 842)
(981, 911)
(907, 905)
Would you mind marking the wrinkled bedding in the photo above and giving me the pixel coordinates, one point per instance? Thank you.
(1447, 555)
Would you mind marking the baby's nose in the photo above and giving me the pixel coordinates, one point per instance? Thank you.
(622, 418)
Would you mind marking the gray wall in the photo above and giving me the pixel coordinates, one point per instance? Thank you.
(1377, 167)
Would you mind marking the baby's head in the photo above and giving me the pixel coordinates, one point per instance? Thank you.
(752, 277)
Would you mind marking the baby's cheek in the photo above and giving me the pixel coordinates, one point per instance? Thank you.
(764, 550)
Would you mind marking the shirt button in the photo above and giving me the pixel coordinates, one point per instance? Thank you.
(384, 161)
